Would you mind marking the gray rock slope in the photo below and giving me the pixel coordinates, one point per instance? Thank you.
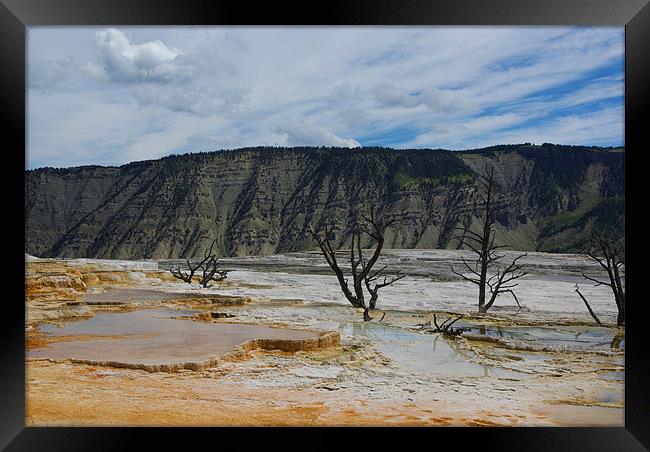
(260, 200)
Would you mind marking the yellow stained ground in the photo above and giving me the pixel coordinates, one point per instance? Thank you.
(68, 394)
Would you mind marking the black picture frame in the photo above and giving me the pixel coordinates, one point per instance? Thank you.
(16, 15)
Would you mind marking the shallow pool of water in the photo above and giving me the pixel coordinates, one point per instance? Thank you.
(431, 354)
(151, 337)
(570, 337)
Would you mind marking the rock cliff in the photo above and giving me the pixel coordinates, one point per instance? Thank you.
(260, 200)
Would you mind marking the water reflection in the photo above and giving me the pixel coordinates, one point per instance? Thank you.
(617, 340)
(570, 337)
(432, 354)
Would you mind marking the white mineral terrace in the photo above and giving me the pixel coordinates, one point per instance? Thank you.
(548, 290)
(545, 363)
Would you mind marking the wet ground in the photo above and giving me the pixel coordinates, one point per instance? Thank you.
(432, 355)
(545, 364)
(152, 337)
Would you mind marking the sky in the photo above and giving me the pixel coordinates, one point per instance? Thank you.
(109, 96)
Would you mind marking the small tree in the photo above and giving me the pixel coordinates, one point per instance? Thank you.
(208, 266)
(608, 249)
(486, 249)
(361, 269)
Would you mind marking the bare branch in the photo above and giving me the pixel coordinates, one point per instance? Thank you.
(588, 307)
(598, 283)
(445, 328)
(474, 281)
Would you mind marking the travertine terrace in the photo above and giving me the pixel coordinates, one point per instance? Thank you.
(544, 364)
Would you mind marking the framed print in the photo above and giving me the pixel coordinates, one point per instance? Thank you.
(397, 216)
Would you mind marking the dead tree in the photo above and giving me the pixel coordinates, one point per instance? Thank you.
(187, 277)
(501, 282)
(208, 266)
(593, 314)
(487, 251)
(445, 328)
(361, 269)
(373, 286)
(609, 251)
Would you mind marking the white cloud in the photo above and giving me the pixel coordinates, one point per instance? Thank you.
(166, 77)
(439, 101)
(75, 128)
(599, 128)
(355, 117)
(301, 134)
(197, 100)
(453, 135)
(182, 89)
(348, 92)
(48, 75)
(122, 61)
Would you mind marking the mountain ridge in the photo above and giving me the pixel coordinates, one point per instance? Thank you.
(260, 200)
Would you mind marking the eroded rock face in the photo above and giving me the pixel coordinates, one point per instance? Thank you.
(259, 201)
(111, 277)
(36, 283)
(54, 289)
(90, 279)
(65, 286)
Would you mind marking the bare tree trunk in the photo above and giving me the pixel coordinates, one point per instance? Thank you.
(374, 290)
(487, 229)
(608, 249)
(373, 300)
(621, 296)
(588, 307)
(481, 292)
(620, 320)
